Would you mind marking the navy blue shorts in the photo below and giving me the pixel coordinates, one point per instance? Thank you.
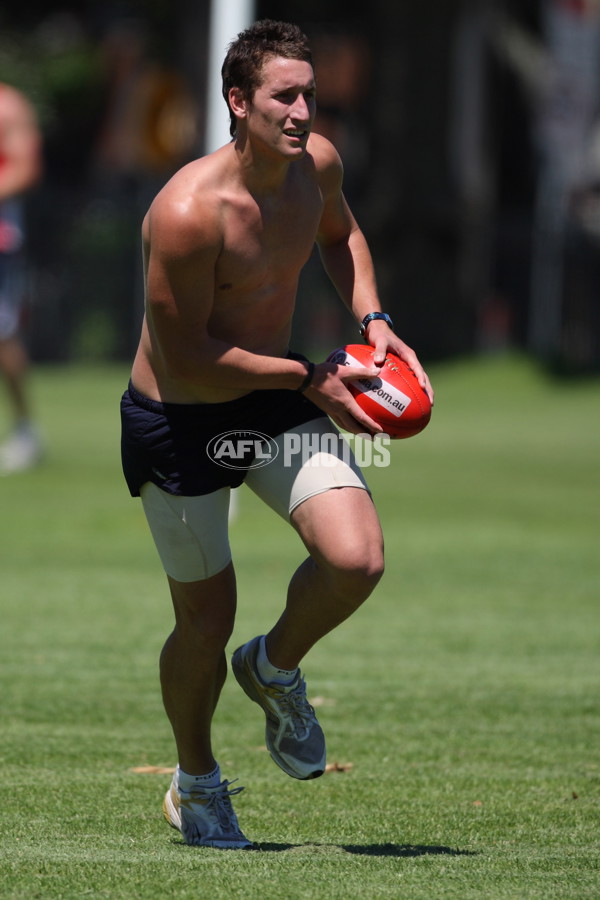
(166, 443)
(13, 276)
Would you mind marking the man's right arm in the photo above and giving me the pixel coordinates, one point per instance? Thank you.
(182, 253)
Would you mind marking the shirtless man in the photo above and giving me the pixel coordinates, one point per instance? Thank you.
(224, 244)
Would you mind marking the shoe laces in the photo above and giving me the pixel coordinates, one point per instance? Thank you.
(216, 803)
(299, 714)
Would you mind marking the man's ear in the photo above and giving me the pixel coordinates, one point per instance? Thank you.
(237, 103)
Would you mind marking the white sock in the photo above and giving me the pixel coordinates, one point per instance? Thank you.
(186, 782)
(270, 673)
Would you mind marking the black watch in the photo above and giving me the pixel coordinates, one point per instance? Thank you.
(375, 315)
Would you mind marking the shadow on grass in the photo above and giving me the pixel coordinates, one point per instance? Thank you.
(400, 850)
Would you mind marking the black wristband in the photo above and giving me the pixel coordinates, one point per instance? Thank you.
(309, 377)
(375, 315)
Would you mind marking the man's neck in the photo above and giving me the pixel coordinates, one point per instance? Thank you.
(262, 174)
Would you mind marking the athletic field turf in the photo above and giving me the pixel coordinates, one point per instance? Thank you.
(460, 703)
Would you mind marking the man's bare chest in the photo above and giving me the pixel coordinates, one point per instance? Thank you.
(269, 239)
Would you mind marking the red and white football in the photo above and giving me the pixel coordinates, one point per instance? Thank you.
(394, 398)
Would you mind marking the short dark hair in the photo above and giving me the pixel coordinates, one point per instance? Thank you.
(247, 55)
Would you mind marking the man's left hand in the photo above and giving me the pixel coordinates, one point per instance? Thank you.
(381, 337)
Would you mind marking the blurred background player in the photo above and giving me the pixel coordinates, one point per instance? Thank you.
(20, 170)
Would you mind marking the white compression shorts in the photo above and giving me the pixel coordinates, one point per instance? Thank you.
(192, 533)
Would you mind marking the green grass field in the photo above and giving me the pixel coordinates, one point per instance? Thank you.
(461, 700)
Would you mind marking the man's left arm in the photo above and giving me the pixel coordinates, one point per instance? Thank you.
(349, 264)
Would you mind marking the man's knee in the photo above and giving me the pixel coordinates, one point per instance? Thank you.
(367, 573)
(356, 571)
(206, 631)
(341, 530)
(205, 611)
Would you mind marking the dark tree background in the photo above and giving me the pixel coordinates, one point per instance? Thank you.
(432, 116)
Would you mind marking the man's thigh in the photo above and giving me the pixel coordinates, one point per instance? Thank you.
(313, 459)
(341, 528)
(191, 533)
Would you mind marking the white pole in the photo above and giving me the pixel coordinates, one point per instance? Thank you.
(227, 19)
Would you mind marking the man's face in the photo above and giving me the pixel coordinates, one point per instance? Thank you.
(281, 113)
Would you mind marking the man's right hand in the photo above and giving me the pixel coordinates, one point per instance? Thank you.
(328, 391)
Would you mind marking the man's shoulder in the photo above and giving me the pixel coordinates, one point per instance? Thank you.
(199, 178)
(323, 152)
(327, 162)
(193, 191)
